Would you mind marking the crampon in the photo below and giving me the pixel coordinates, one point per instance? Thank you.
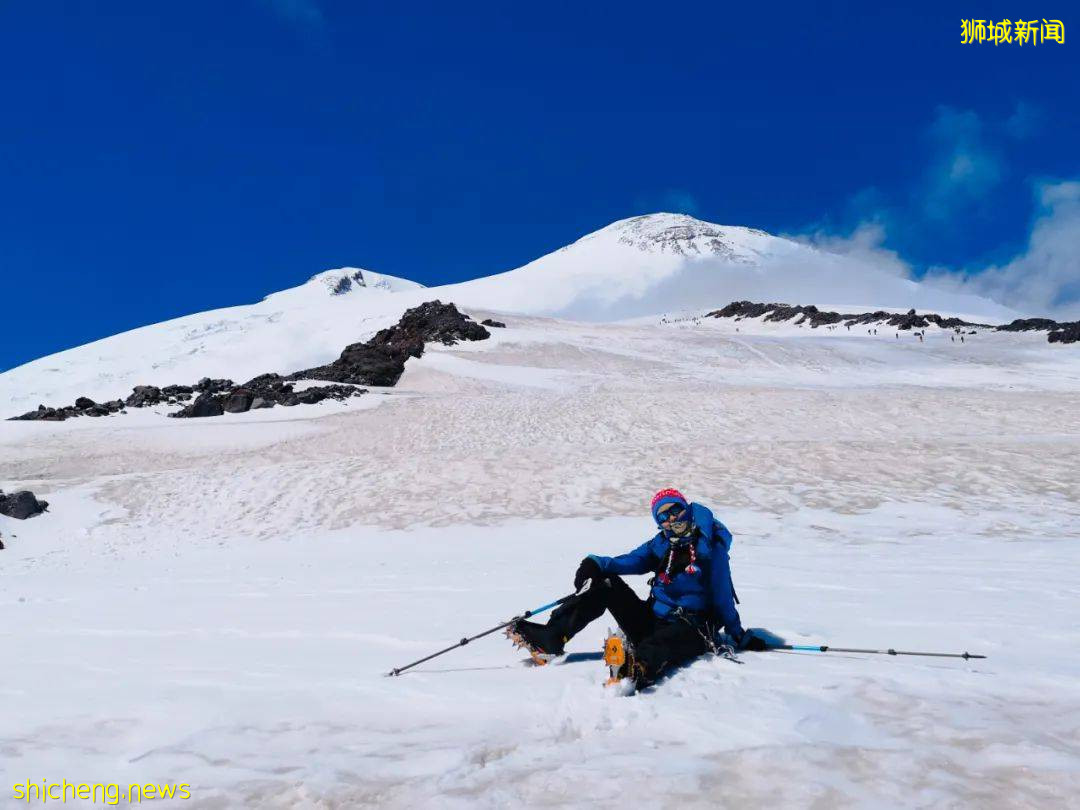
(520, 641)
(619, 657)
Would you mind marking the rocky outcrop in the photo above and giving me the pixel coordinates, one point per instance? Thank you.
(21, 505)
(1067, 333)
(495, 324)
(339, 285)
(204, 405)
(264, 391)
(143, 396)
(1057, 332)
(84, 406)
(238, 401)
(815, 317)
(1029, 325)
(381, 360)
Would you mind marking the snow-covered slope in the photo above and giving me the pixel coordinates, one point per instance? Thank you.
(645, 265)
(296, 328)
(215, 602)
(663, 262)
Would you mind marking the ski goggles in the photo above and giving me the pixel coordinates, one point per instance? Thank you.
(672, 514)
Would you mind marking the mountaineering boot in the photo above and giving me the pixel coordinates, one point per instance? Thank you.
(542, 642)
(622, 668)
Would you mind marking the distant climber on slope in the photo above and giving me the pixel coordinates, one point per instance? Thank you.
(691, 597)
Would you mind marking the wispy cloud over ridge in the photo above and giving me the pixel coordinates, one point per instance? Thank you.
(1045, 278)
(966, 169)
(1042, 280)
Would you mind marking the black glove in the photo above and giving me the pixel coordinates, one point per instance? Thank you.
(752, 643)
(589, 569)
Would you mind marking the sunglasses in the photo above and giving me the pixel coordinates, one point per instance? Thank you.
(674, 514)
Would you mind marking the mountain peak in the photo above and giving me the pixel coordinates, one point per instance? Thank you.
(344, 280)
(685, 235)
(341, 280)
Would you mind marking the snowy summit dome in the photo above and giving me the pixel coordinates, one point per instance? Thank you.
(684, 235)
(347, 279)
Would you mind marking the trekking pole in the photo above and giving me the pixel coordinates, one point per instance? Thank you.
(827, 648)
(465, 641)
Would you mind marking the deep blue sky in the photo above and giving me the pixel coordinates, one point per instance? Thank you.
(158, 159)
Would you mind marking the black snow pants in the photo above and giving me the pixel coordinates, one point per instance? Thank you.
(659, 644)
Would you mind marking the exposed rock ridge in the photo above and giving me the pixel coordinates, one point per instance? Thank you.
(1058, 332)
(381, 360)
(378, 361)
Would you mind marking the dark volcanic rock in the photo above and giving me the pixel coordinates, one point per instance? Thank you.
(1068, 333)
(84, 406)
(42, 414)
(816, 317)
(181, 393)
(205, 404)
(363, 364)
(946, 323)
(1058, 332)
(21, 505)
(216, 397)
(740, 309)
(381, 360)
(238, 401)
(433, 321)
(1029, 325)
(908, 321)
(496, 324)
(143, 396)
(266, 381)
(264, 391)
(208, 386)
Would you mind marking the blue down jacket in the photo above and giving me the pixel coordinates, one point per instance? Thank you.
(707, 595)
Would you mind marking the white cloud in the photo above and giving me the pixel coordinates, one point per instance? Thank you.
(864, 244)
(1044, 280)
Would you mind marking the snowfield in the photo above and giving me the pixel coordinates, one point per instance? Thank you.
(217, 601)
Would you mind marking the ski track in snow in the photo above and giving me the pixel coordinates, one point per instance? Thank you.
(216, 602)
